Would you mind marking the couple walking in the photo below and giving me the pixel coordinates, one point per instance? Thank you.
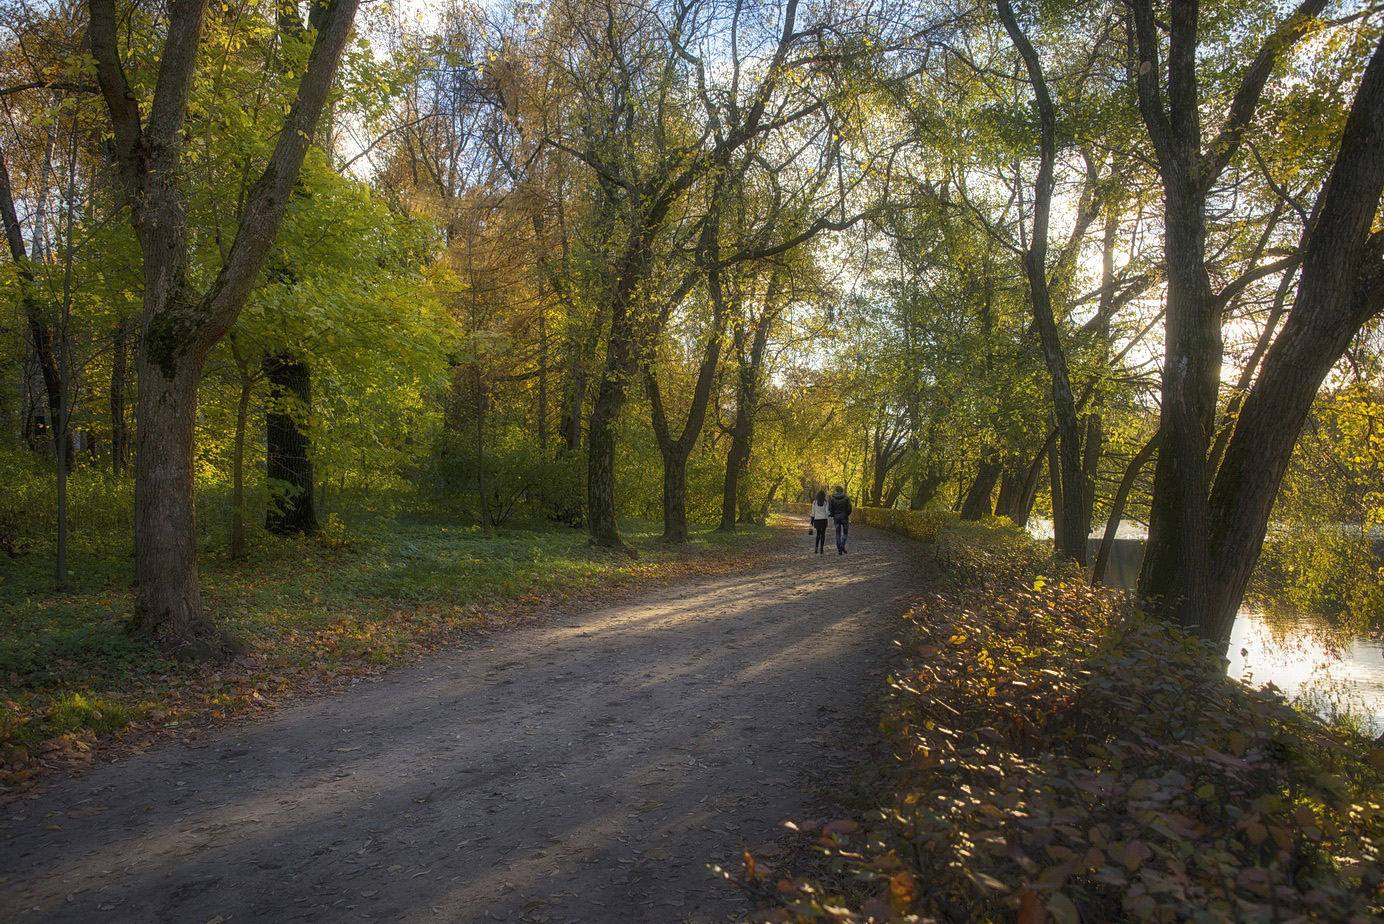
(837, 508)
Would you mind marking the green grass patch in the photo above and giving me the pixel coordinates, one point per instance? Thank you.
(370, 592)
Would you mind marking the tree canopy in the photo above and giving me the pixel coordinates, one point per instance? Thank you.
(688, 260)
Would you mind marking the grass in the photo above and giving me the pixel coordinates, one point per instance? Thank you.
(367, 595)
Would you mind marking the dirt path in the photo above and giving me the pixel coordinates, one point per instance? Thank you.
(585, 771)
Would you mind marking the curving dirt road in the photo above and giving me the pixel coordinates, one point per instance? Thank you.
(584, 771)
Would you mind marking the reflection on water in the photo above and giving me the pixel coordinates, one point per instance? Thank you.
(1328, 679)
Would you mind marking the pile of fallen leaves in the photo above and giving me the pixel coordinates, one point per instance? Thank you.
(1057, 756)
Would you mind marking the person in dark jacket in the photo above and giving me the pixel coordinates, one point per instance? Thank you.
(839, 509)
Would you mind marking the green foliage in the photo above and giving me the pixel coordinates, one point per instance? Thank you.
(519, 475)
(1333, 571)
(1058, 755)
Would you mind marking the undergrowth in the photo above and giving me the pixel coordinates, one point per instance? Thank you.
(1059, 756)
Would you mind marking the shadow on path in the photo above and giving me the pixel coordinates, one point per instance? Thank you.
(584, 771)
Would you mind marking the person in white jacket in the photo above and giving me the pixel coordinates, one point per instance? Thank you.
(819, 521)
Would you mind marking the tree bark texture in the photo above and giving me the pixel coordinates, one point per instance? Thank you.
(749, 368)
(977, 502)
(926, 485)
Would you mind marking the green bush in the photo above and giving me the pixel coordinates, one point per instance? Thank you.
(919, 524)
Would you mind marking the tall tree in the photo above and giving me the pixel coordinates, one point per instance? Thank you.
(1341, 288)
(1072, 525)
(1177, 569)
(179, 324)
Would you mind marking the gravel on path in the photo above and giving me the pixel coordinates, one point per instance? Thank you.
(587, 770)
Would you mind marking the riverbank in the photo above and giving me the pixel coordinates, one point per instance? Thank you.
(1051, 753)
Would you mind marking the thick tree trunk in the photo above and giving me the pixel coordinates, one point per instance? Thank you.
(891, 497)
(1175, 571)
(600, 475)
(674, 496)
(179, 326)
(288, 446)
(1011, 490)
(621, 365)
(1341, 288)
(1175, 559)
(977, 503)
(168, 606)
(926, 485)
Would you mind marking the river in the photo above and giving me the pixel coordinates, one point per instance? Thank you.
(1329, 677)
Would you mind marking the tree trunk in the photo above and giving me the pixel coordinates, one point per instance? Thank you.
(1059, 507)
(891, 497)
(1068, 539)
(168, 606)
(735, 492)
(1091, 450)
(1011, 490)
(977, 503)
(1030, 492)
(120, 434)
(179, 327)
(600, 475)
(482, 488)
(1117, 506)
(737, 460)
(674, 496)
(288, 446)
(926, 485)
(40, 331)
(1175, 571)
(1341, 288)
